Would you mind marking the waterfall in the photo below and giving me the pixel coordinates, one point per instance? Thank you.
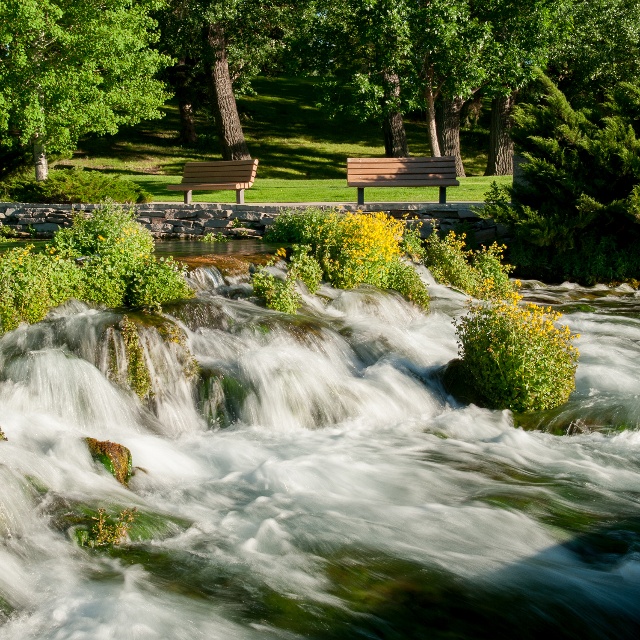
(309, 475)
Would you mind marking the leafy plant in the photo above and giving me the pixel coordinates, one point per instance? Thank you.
(106, 258)
(515, 357)
(479, 273)
(214, 237)
(351, 248)
(32, 283)
(75, 185)
(107, 530)
(576, 213)
(6, 232)
(304, 267)
(279, 294)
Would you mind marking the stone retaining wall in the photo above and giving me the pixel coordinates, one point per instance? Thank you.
(177, 220)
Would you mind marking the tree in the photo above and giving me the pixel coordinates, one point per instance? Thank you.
(601, 48)
(577, 211)
(448, 45)
(523, 37)
(361, 51)
(228, 42)
(70, 67)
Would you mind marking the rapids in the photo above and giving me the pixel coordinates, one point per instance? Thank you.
(315, 480)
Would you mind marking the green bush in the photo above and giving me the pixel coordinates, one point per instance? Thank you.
(351, 249)
(74, 186)
(32, 283)
(106, 258)
(576, 213)
(157, 282)
(479, 273)
(278, 294)
(304, 267)
(515, 357)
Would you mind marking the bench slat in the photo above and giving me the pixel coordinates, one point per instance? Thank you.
(402, 172)
(388, 173)
(218, 186)
(405, 183)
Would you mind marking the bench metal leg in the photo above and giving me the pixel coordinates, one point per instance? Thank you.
(239, 196)
(360, 195)
(187, 197)
(443, 195)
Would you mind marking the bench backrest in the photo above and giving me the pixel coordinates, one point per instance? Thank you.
(220, 172)
(417, 172)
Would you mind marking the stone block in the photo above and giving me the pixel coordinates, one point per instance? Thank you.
(217, 224)
(46, 227)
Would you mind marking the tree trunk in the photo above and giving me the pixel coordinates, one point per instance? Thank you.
(188, 133)
(431, 121)
(500, 161)
(181, 80)
(40, 160)
(395, 136)
(234, 146)
(449, 129)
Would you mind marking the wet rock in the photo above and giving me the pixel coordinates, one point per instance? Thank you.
(458, 382)
(115, 458)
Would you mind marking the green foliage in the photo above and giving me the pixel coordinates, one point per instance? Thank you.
(32, 283)
(106, 258)
(304, 267)
(75, 66)
(214, 237)
(478, 273)
(581, 187)
(350, 248)
(138, 376)
(74, 186)
(7, 232)
(157, 282)
(279, 294)
(412, 244)
(120, 268)
(515, 357)
(404, 279)
(107, 530)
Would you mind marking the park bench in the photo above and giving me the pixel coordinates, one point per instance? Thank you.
(402, 172)
(220, 175)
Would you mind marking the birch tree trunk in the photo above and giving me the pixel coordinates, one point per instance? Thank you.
(40, 162)
(232, 141)
(500, 162)
(431, 120)
(449, 129)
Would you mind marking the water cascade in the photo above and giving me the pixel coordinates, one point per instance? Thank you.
(309, 476)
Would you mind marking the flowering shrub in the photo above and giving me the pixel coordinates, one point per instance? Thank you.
(478, 273)
(117, 260)
(107, 258)
(515, 356)
(32, 283)
(278, 294)
(305, 267)
(351, 249)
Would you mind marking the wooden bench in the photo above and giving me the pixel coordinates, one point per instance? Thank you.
(220, 175)
(402, 172)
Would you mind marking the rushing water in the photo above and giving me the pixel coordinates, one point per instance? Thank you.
(315, 480)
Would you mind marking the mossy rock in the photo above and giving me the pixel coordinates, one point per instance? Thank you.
(76, 517)
(115, 458)
(458, 382)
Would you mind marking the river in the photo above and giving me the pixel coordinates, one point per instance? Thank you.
(315, 480)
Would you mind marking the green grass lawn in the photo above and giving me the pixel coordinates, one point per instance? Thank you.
(471, 189)
(302, 151)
